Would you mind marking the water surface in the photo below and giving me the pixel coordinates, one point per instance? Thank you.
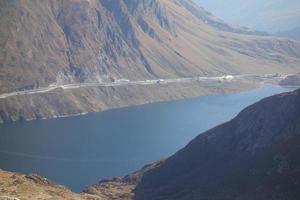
(79, 151)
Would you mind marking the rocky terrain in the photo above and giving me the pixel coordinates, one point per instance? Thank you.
(75, 41)
(14, 186)
(253, 156)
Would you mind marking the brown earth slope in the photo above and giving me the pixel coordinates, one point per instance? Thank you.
(14, 186)
(43, 42)
(71, 41)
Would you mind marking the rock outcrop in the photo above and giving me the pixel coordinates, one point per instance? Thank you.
(14, 186)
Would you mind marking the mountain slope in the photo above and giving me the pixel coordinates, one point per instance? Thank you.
(293, 33)
(58, 42)
(291, 80)
(16, 186)
(253, 156)
(79, 40)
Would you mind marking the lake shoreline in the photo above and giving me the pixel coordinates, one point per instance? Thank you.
(61, 103)
(81, 102)
(57, 148)
(44, 143)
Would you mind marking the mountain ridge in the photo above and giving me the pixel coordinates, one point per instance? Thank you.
(270, 15)
(292, 33)
(99, 40)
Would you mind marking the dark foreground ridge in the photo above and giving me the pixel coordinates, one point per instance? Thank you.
(253, 156)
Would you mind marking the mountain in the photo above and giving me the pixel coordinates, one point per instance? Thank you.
(57, 42)
(291, 80)
(269, 15)
(293, 33)
(253, 156)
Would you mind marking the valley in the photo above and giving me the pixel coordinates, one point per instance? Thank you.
(95, 89)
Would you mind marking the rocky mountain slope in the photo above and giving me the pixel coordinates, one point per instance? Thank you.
(70, 41)
(253, 156)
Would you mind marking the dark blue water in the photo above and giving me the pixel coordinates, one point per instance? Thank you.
(79, 151)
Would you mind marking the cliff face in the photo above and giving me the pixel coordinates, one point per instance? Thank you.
(253, 156)
(75, 41)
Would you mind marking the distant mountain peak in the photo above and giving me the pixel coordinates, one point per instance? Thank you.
(215, 22)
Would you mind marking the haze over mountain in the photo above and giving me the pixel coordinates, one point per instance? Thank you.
(266, 15)
(292, 80)
(55, 42)
(293, 33)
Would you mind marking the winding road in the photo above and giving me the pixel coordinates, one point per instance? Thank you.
(122, 82)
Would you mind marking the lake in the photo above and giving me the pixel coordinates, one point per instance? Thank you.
(79, 151)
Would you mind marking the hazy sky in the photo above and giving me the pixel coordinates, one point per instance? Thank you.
(266, 15)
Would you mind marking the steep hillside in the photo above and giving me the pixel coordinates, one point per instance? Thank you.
(44, 42)
(253, 156)
(56, 42)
